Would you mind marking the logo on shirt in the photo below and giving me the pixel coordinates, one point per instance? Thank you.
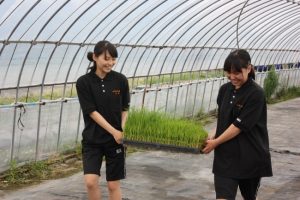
(116, 92)
(239, 106)
(118, 151)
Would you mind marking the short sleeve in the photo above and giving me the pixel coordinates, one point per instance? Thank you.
(251, 111)
(221, 94)
(85, 97)
(126, 96)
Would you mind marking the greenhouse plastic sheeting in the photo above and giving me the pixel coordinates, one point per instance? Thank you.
(45, 42)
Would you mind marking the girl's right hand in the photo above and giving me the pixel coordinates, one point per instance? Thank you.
(118, 136)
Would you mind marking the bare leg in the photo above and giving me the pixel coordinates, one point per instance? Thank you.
(114, 190)
(92, 186)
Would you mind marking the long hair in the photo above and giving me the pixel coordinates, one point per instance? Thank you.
(237, 60)
(100, 48)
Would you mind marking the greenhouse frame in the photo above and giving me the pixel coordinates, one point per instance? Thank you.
(171, 51)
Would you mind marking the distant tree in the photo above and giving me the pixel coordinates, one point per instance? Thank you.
(270, 83)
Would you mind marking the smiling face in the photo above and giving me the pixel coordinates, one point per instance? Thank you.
(105, 63)
(238, 78)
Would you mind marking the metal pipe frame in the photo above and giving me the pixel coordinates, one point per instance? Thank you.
(279, 22)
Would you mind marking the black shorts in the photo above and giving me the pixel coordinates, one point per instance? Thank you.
(114, 154)
(226, 188)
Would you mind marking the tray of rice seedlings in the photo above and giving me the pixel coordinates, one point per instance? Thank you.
(151, 129)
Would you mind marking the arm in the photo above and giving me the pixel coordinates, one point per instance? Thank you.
(124, 119)
(97, 117)
(231, 132)
(212, 134)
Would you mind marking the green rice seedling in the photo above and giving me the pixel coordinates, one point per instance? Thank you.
(155, 127)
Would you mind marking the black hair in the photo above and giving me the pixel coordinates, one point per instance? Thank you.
(237, 60)
(100, 48)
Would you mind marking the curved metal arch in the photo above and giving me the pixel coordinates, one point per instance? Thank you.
(129, 13)
(272, 36)
(255, 20)
(172, 34)
(71, 64)
(269, 27)
(38, 126)
(168, 12)
(20, 74)
(64, 90)
(280, 43)
(159, 18)
(88, 8)
(255, 51)
(98, 22)
(237, 24)
(197, 21)
(65, 31)
(37, 18)
(222, 27)
(120, 41)
(204, 34)
(15, 28)
(10, 12)
(25, 58)
(293, 42)
(130, 52)
(212, 57)
(178, 15)
(163, 62)
(292, 36)
(133, 26)
(256, 37)
(155, 36)
(61, 23)
(12, 32)
(61, 38)
(41, 30)
(119, 5)
(164, 28)
(95, 27)
(184, 22)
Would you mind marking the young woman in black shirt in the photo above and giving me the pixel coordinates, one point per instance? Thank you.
(240, 141)
(104, 99)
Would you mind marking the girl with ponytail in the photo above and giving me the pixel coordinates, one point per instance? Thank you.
(104, 99)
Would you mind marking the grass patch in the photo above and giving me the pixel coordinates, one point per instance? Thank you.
(56, 166)
(285, 94)
(155, 127)
(30, 95)
(174, 77)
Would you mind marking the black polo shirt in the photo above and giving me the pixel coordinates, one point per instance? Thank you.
(247, 155)
(109, 96)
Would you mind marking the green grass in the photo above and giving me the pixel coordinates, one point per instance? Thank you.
(34, 96)
(285, 94)
(56, 166)
(174, 77)
(19, 175)
(155, 127)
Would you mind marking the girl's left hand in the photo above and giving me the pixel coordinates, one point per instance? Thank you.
(210, 145)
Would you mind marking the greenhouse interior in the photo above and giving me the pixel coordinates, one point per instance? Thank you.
(171, 51)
